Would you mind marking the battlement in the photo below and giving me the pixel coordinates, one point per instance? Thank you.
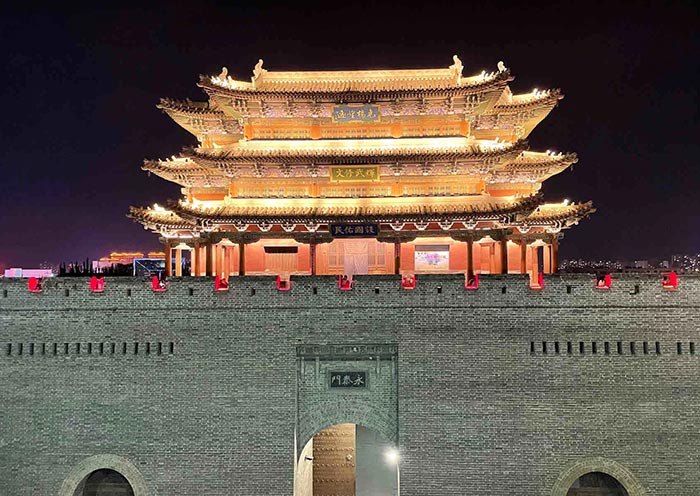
(368, 291)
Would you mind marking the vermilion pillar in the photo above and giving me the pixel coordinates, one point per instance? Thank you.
(470, 258)
(241, 259)
(397, 257)
(168, 258)
(178, 262)
(312, 257)
(523, 256)
(227, 263)
(194, 263)
(504, 256)
(208, 259)
(555, 254)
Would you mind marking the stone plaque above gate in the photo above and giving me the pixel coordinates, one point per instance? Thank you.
(348, 379)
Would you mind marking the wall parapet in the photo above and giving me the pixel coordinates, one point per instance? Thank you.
(432, 290)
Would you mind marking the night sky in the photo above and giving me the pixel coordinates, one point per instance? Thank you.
(80, 86)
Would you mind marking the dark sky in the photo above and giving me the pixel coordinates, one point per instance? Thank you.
(80, 88)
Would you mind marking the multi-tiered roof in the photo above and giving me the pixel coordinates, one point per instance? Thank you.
(428, 150)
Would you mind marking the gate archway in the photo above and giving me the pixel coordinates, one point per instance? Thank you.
(104, 465)
(347, 460)
(598, 464)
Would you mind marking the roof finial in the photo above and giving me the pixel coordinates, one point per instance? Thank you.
(224, 74)
(258, 71)
(457, 66)
(501, 66)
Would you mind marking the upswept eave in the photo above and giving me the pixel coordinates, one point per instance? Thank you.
(324, 211)
(259, 154)
(185, 172)
(528, 101)
(158, 218)
(187, 107)
(559, 214)
(349, 92)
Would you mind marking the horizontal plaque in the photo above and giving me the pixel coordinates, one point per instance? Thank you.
(359, 173)
(353, 230)
(355, 113)
(348, 379)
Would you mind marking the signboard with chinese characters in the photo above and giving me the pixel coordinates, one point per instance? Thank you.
(358, 173)
(355, 113)
(353, 230)
(348, 379)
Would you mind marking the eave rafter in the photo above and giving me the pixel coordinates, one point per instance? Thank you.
(414, 212)
(302, 156)
(496, 84)
(159, 219)
(557, 216)
(185, 172)
(529, 101)
(199, 118)
(533, 167)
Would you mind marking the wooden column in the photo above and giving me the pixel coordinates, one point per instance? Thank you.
(535, 259)
(168, 259)
(555, 254)
(208, 259)
(504, 256)
(231, 259)
(227, 261)
(523, 256)
(470, 258)
(547, 259)
(220, 259)
(312, 257)
(194, 263)
(178, 262)
(492, 258)
(241, 259)
(397, 257)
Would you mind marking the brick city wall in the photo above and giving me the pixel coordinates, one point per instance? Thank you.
(195, 393)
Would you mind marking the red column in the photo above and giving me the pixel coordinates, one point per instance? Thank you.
(168, 259)
(208, 259)
(470, 258)
(312, 257)
(504, 256)
(194, 263)
(241, 259)
(397, 257)
(555, 254)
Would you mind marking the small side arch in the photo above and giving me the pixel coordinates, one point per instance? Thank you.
(598, 464)
(82, 470)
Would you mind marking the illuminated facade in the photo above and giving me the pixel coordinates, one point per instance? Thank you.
(362, 172)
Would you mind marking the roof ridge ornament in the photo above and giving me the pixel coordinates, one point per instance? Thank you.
(457, 69)
(501, 66)
(258, 72)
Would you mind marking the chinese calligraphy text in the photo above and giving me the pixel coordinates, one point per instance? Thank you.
(363, 173)
(355, 113)
(353, 230)
(348, 379)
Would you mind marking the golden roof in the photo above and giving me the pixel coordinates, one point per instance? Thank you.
(299, 150)
(475, 206)
(185, 172)
(562, 214)
(265, 81)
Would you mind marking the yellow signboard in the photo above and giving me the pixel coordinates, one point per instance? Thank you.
(360, 173)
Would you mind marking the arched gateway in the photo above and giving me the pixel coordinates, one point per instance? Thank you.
(603, 473)
(347, 460)
(108, 475)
